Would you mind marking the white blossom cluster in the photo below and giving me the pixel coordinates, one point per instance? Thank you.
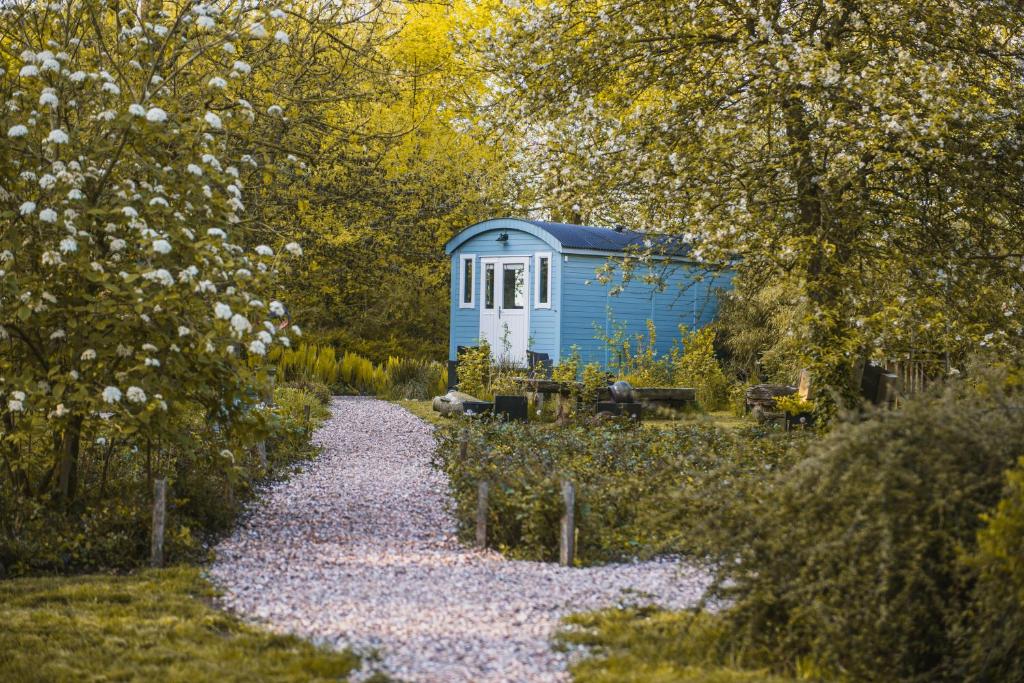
(119, 280)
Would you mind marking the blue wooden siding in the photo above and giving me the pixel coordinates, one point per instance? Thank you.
(465, 322)
(583, 311)
(591, 312)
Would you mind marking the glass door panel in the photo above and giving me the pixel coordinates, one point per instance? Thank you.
(513, 286)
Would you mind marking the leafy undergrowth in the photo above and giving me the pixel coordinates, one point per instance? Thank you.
(647, 645)
(151, 626)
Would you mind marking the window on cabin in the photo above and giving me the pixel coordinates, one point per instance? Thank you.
(543, 284)
(513, 286)
(466, 300)
(489, 285)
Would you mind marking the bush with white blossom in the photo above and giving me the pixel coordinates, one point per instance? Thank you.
(123, 298)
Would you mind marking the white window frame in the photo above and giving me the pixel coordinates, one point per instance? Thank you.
(462, 281)
(536, 278)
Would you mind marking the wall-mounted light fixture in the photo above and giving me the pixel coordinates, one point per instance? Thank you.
(503, 237)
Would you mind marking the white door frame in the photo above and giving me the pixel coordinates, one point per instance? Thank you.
(490, 319)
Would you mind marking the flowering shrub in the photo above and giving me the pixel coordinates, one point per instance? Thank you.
(126, 306)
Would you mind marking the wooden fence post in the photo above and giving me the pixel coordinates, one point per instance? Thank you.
(482, 490)
(261, 450)
(305, 418)
(156, 554)
(463, 445)
(567, 544)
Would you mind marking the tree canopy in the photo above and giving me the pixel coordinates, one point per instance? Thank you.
(870, 151)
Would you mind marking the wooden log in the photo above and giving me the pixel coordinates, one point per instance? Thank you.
(567, 540)
(482, 491)
(156, 550)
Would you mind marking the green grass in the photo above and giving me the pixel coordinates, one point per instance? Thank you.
(156, 625)
(725, 419)
(423, 410)
(652, 646)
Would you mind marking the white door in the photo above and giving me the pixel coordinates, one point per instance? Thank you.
(504, 313)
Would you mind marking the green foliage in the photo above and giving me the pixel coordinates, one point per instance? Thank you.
(635, 360)
(475, 371)
(691, 363)
(481, 377)
(594, 379)
(568, 368)
(995, 651)
(394, 378)
(393, 163)
(640, 491)
(762, 325)
(312, 387)
(851, 562)
(644, 645)
(698, 367)
(155, 625)
(413, 379)
(802, 140)
(211, 471)
(128, 299)
(794, 405)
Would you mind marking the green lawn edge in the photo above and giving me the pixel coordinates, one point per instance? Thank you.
(154, 625)
(649, 645)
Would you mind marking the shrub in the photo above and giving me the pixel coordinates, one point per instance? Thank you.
(413, 379)
(635, 360)
(851, 561)
(624, 478)
(697, 367)
(211, 470)
(646, 645)
(993, 643)
(353, 374)
(313, 387)
(475, 371)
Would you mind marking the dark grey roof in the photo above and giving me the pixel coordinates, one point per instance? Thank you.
(590, 237)
(606, 239)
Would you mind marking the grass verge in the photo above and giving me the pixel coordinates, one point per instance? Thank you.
(423, 410)
(646, 645)
(157, 625)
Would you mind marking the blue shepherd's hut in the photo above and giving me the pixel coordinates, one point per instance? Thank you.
(532, 286)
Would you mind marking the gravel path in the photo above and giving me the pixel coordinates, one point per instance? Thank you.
(359, 550)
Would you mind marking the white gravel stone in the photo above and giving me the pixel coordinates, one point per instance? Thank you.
(359, 550)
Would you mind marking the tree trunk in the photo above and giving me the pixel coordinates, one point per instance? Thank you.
(823, 268)
(68, 479)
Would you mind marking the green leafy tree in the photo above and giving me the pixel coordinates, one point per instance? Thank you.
(376, 162)
(870, 149)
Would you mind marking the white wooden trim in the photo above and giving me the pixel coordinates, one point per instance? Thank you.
(482, 275)
(495, 313)
(536, 279)
(462, 281)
